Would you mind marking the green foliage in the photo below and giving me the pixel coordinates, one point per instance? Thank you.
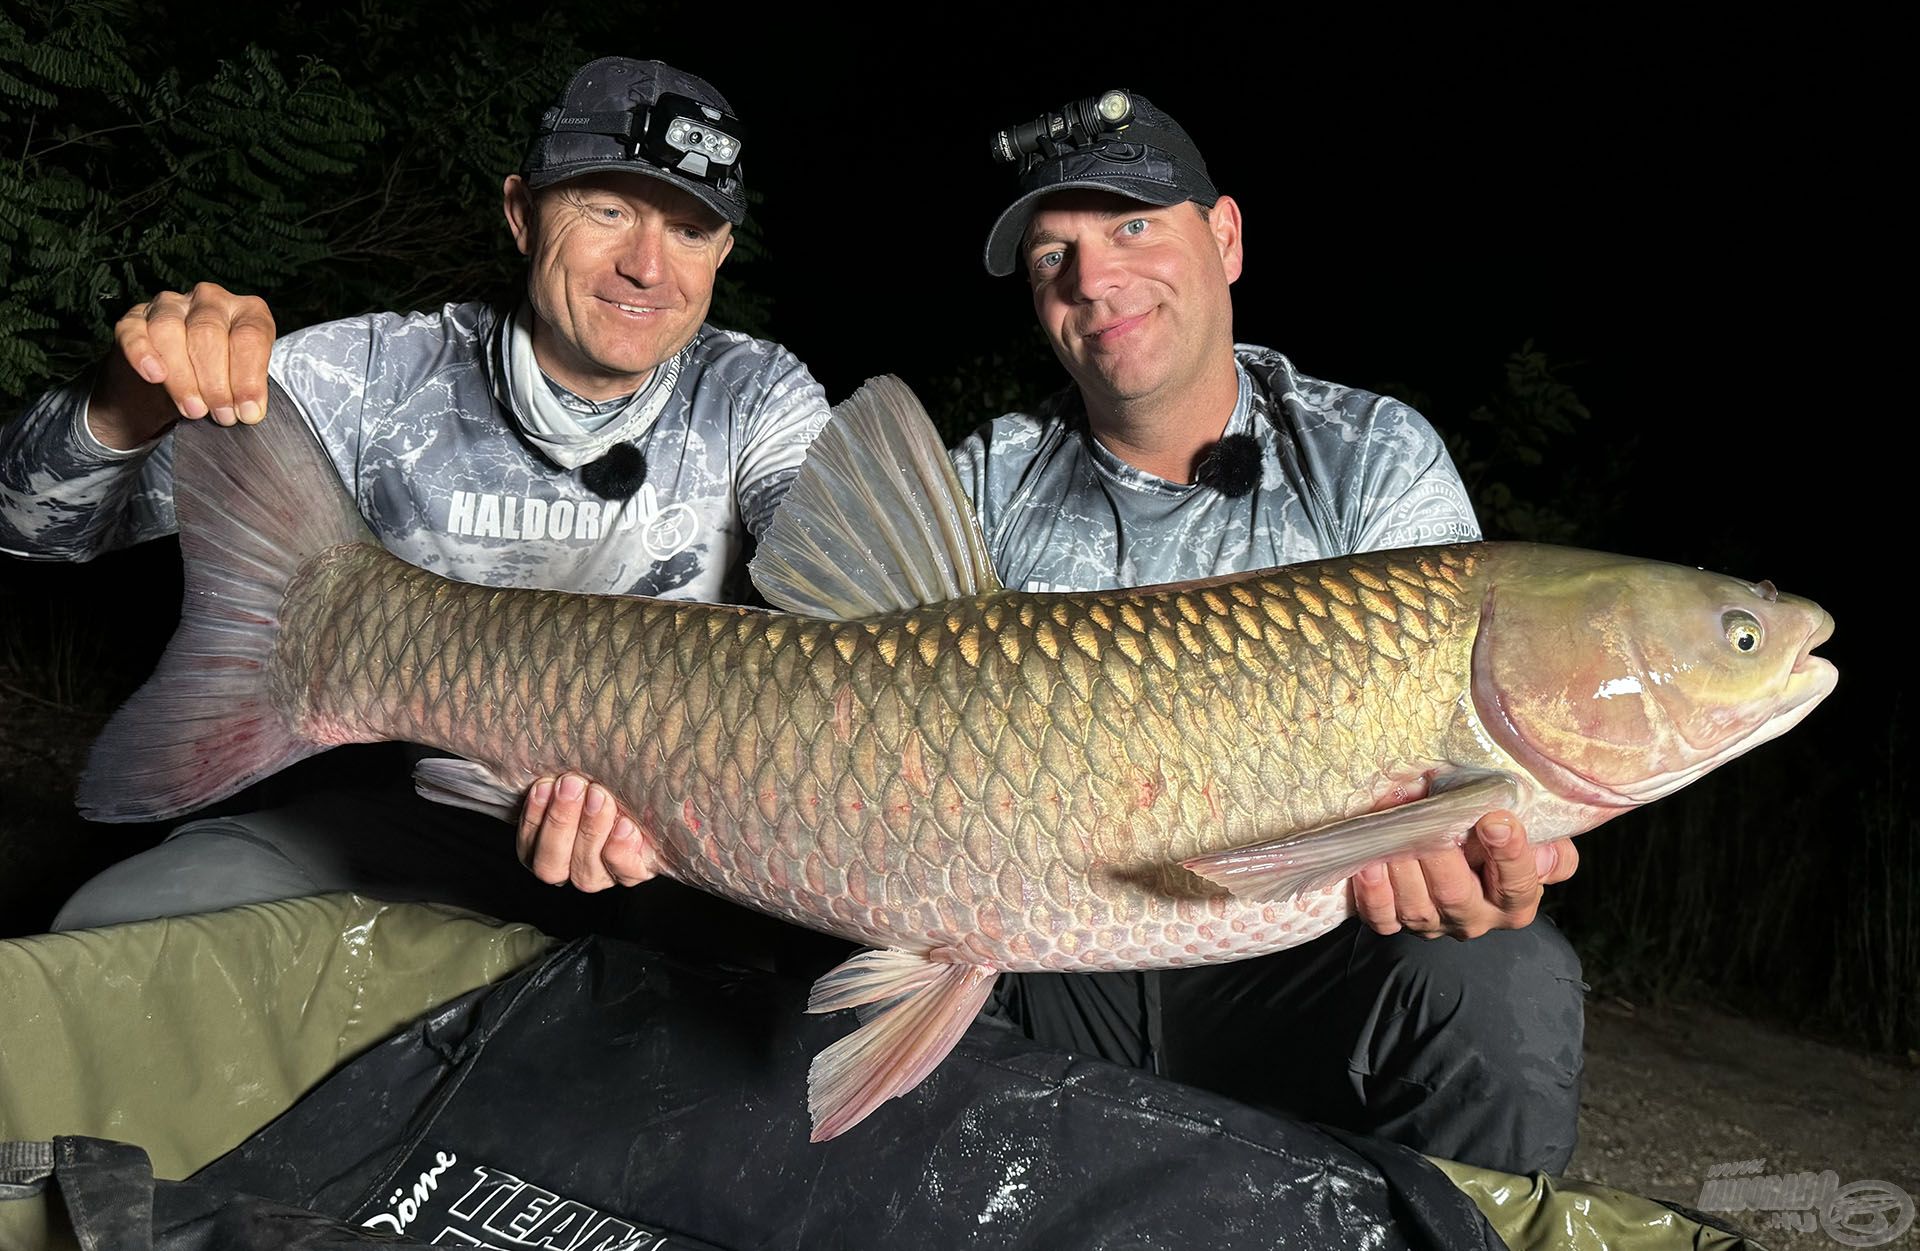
(142, 153)
(1012, 375)
(128, 181)
(1519, 455)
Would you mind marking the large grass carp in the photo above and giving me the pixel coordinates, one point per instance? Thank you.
(968, 780)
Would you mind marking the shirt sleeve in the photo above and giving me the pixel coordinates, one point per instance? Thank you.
(64, 495)
(785, 411)
(1410, 493)
(969, 459)
(1023, 477)
(328, 370)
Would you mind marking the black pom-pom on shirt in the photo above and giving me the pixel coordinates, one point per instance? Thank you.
(618, 474)
(1233, 466)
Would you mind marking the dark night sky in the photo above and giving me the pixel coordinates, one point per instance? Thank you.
(1705, 237)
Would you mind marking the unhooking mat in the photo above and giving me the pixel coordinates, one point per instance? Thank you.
(606, 1096)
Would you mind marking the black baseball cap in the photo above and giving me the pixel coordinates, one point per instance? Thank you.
(1151, 159)
(601, 122)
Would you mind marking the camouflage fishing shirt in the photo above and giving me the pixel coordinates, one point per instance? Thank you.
(1342, 471)
(411, 411)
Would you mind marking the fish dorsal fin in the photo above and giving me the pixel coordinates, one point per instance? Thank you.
(876, 520)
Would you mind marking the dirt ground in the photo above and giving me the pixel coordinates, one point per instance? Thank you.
(1671, 1091)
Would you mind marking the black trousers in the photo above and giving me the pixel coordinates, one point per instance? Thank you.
(1466, 1050)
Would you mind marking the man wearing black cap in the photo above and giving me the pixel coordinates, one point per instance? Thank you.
(599, 437)
(1179, 454)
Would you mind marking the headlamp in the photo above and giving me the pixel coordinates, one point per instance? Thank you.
(1076, 124)
(691, 138)
(676, 133)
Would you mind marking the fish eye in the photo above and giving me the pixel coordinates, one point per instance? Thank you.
(1743, 631)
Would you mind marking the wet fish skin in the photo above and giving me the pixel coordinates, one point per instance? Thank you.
(991, 781)
(1016, 777)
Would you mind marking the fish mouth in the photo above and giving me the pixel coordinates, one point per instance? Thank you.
(1810, 680)
(1806, 661)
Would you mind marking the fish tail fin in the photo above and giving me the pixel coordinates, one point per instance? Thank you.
(925, 1006)
(255, 503)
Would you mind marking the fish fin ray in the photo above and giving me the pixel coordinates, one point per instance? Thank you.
(254, 503)
(876, 520)
(468, 784)
(1329, 854)
(927, 1006)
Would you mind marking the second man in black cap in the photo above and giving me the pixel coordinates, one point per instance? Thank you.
(1176, 454)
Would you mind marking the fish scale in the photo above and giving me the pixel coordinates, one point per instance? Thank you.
(680, 708)
(968, 779)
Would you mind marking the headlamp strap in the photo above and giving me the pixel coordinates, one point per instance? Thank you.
(1135, 133)
(628, 124)
(1165, 140)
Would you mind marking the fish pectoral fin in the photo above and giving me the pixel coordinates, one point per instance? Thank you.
(468, 784)
(1321, 857)
(924, 1008)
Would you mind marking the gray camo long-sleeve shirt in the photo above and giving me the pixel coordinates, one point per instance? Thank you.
(1342, 470)
(409, 410)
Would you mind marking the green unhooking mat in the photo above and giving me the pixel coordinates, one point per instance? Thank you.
(337, 1072)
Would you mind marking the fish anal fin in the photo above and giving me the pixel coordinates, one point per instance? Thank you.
(1316, 859)
(468, 784)
(926, 1006)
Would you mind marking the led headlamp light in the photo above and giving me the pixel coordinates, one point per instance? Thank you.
(677, 133)
(1076, 123)
(691, 138)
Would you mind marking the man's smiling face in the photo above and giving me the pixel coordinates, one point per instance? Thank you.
(1133, 296)
(620, 274)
